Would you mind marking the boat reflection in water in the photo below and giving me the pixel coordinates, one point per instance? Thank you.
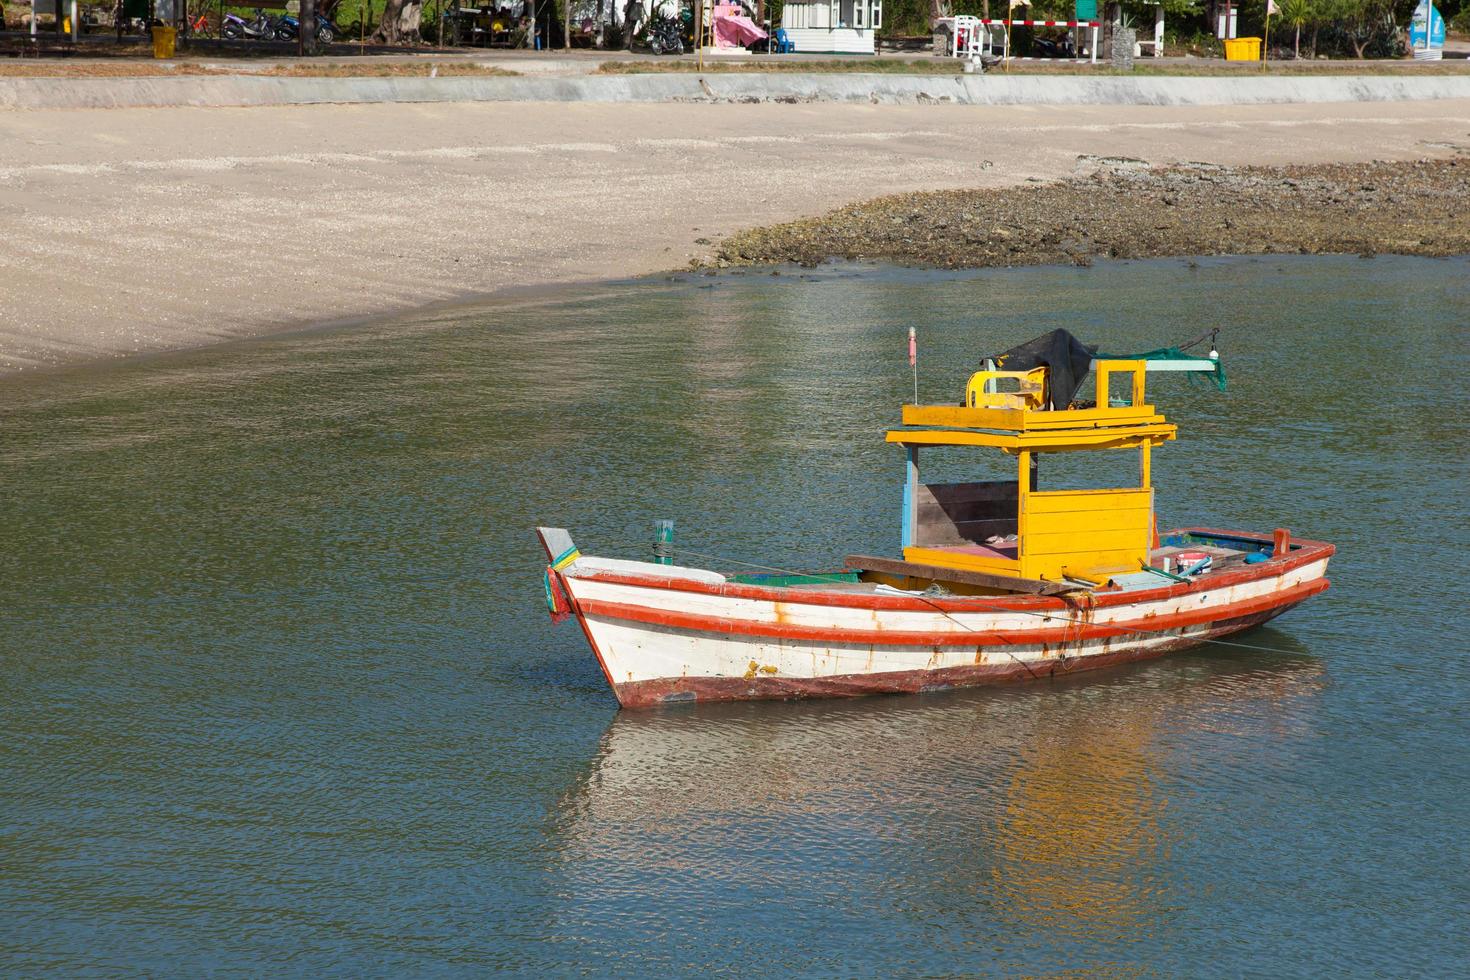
(1003, 816)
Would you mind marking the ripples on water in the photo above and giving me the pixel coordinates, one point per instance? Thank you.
(279, 693)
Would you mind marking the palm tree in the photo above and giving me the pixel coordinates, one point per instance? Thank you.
(1296, 13)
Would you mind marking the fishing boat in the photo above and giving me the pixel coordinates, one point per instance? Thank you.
(999, 580)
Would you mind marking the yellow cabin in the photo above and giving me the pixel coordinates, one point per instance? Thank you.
(1010, 527)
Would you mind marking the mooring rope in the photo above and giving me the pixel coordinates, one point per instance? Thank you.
(765, 568)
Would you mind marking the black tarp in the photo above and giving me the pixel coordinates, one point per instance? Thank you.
(1066, 359)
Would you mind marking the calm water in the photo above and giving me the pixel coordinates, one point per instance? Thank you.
(280, 694)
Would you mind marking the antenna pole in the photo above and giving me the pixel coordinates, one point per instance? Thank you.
(914, 362)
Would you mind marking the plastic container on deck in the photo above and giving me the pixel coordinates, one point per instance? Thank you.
(1243, 49)
(1197, 561)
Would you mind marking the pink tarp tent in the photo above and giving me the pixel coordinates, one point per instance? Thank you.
(732, 29)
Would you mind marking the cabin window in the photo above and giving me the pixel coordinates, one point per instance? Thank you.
(947, 515)
(809, 16)
(961, 464)
(875, 14)
(1103, 469)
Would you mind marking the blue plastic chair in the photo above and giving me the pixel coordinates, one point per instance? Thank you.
(784, 44)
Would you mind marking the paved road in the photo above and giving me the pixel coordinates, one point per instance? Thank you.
(148, 229)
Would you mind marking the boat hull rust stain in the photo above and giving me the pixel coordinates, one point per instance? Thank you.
(645, 694)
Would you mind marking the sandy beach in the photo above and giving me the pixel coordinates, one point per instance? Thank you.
(140, 230)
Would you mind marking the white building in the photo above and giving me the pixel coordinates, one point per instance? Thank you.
(833, 26)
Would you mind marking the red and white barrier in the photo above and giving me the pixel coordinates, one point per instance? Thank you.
(966, 31)
(1042, 23)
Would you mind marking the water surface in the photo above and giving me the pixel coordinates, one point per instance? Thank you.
(280, 695)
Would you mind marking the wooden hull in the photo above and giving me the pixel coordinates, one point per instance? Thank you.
(669, 639)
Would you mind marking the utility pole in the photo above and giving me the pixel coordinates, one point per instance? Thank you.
(306, 29)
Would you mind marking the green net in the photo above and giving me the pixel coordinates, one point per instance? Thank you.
(1173, 354)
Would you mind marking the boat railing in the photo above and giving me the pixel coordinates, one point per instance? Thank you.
(1006, 389)
(1105, 369)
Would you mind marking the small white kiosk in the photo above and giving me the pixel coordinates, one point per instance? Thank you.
(832, 26)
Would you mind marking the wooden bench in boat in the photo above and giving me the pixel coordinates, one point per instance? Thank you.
(936, 573)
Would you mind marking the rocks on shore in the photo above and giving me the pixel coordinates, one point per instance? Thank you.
(1124, 209)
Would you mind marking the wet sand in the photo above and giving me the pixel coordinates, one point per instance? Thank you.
(151, 229)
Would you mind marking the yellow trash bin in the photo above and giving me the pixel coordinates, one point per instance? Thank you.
(163, 41)
(1243, 49)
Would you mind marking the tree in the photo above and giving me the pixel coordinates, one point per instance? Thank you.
(1172, 8)
(1296, 13)
(1363, 24)
(400, 22)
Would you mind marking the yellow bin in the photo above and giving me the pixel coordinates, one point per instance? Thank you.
(163, 41)
(1243, 49)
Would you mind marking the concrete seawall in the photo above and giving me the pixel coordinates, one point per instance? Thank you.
(992, 89)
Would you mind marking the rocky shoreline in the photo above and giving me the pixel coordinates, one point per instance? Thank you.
(1126, 209)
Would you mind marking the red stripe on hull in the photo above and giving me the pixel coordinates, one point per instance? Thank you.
(1071, 633)
(643, 694)
(1304, 553)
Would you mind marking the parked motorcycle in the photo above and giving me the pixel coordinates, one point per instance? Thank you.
(259, 28)
(288, 28)
(1053, 47)
(666, 35)
(327, 30)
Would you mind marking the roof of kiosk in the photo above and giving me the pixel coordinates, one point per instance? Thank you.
(1040, 413)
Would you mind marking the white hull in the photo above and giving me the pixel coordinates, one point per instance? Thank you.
(662, 635)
